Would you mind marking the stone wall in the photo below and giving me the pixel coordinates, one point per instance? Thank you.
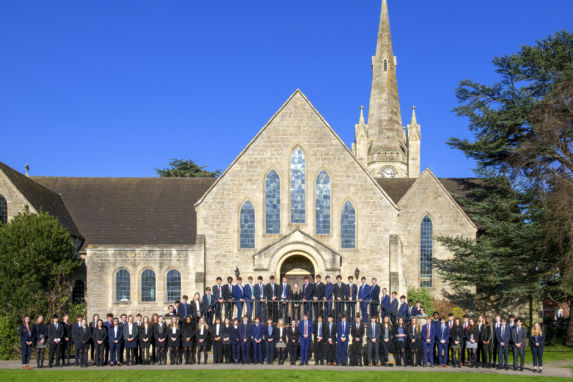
(14, 199)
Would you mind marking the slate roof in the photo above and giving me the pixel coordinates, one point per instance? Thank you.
(457, 187)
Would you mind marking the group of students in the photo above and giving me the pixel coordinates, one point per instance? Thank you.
(190, 329)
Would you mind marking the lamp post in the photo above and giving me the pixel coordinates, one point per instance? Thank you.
(237, 273)
(357, 273)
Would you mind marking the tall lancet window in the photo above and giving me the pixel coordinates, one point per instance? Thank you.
(3, 210)
(247, 225)
(348, 226)
(322, 203)
(426, 252)
(272, 203)
(297, 186)
(385, 65)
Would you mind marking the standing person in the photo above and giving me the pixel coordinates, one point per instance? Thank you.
(307, 297)
(218, 292)
(84, 343)
(351, 296)
(503, 335)
(327, 298)
(428, 339)
(239, 296)
(496, 326)
(373, 338)
(115, 339)
(339, 293)
(195, 308)
(375, 299)
(393, 308)
(228, 297)
(296, 302)
(93, 327)
(386, 340)
(481, 347)
(412, 311)
(317, 296)
(364, 299)
(443, 340)
(400, 334)
(357, 332)
(27, 337)
(74, 330)
(285, 294)
(227, 341)
(305, 330)
(450, 327)
(99, 337)
(511, 325)
(342, 337)
(245, 335)
(203, 338)
(138, 350)
(188, 339)
(487, 341)
(319, 342)
(270, 336)
(519, 334)
(330, 340)
(472, 336)
(208, 307)
(130, 335)
(235, 342)
(258, 341)
(249, 297)
(66, 346)
(217, 334)
(160, 337)
(145, 340)
(414, 339)
(41, 338)
(403, 310)
(293, 342)
(109, 326)
(260, 298)
(184, 310)
(436, 324)
(537, 341)
(281, 341)
(55, 338)
(271, 292)
(457, 337)
(465, 324)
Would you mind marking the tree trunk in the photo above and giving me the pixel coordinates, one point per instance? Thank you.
(569, 336)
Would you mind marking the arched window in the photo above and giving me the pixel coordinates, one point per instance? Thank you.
(322, 203)
(348, 226)
(273, 203)
(78, 292)
(173, 285)
(247, 222)
(148, 286)
(426, 236)
(297, 186)
(3, 210)
(122, 286)
(385, 65)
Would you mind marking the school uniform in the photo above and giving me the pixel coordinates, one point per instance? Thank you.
(375, 300)
(428, 339)
(373, 332)
(238, 295)
(328, 290)
(293, 344)
(281, 344)
(99, 338)
(115, 338)
(227, 342)
(196, 311)
(443, 335)
(245, 335)
(537, 344)
(456, 335)
(217, 330)
(364, 295)
(228, 297)
(342, 338)
(260, 300)
(83, 340)
(208, 306)
(307, 293)
(400, 338)
(339, 296)
(249, 297)
(481, 351)
(305, 329)
(330, 342)
(66, 345)
(503, 335)
(487, 344)
(296, 305)
(235, 344)
(412, 312)
(518, 335)
(385, 342)
(351, 298)
(55, 339)
(272, 294)
(414, 339)
(317, 296)
(183, 310)
(27, 334)
(77, 346)
(160, 339)
(319, 343)
(393, 311)
(436, 324)
(130, 335)
(41, 333)
(188, 342)
(218, 294)
(270, 336)
(285, 294)
(257, 335)
(357, 333)
(203, 343)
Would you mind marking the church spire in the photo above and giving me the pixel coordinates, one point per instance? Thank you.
(385, 132)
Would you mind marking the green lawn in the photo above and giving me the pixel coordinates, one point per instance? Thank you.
(252, 376)
(550, 353)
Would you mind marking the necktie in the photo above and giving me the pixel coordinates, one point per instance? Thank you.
(84, 330)
(220, 292)
(273, 289)
(261, 289)
(252, 292)
(428, 330)
(320, 330)
(305, 328)
(373, 331)
(270, 329)
(284, 290)
(502, 331)
(185, 309)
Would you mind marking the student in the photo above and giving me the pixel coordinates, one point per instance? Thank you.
(296, 299)
(249, 297)
(307, 298)
(285, 294)
(196, 308)
(270, 336)
(351, 296)
(327, 298)
(400, 334)
(239, 296)
(319, 342)
(217, 334)
(203, 338)
(428, 339)
(450, 355)
(93, 326)
(465, 324)
(227, 340)
(487, 341)
(272, 292)
(55, 338)
(66, 345)
(480, 325)
(537, 341)
(41, 340)
(364, 299)
(518, 335)
(138, 349)
(403, 309)
(208, 307)
(511, 324)
(218, 293)
(145, 340)
(188, 339)
(503, 335)
(393, 308)
(472, 336)
(412, 311)
(305, 330)
(293, 342)
(386, 340)
(109, 326)
(123, 323)
(74, 330)
(281, 341)
(414, 340)
(228, 297)
(115, 339)
(184, 309)
(330, 341)
(235, 342)
(375, 299)
(130, 339)
(342, 338)
(496, 326)
(443, 340)
(260, 298)
(245, 335)
(99, 337)
(436, 324)
(257, 341)
(318, 295)
(27, 336)
(373, 333)
(339, 296)
(161, 340)
(84, 342)
(456, 338)
(357, 332)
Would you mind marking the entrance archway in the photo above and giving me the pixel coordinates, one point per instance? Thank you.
(296, 266)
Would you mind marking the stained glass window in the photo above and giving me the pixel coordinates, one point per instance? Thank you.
(247, 224)
(348, 226)
(426, 236)
(273, 203)
(148, 286)
(322, 203)
(297, 186)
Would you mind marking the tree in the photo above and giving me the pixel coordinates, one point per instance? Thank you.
(523, 129)
(186, 168)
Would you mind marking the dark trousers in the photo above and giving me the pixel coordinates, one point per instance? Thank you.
(356, 353)
(249, 307)
(518, 352)
(227, 353)
(339, 310)
(481, 350)
(374, 309)
(236, 352)
(327, 308)
(77, 354)
(84, 350)
(229, 310)
(66, 349)
(273, 310)
(205, 356)
(304, 347)
(308, 309)
(428, 352)
(130, 355)
(537, 353)
(114, 352)
(218, 309)
(283, 310)
(258, 352)
(385, 350)
(351, 309)
(260, 310)
(55, 351)
(342, 352)
(502, 355)
(443, 353)
(26, 353)
(270, 352)
(400, 353)
(217, 352)
(319, 351)
(331, 352)
(373, 348)
(99, 352)
(364, 311)
(245, 351)
(292, 351)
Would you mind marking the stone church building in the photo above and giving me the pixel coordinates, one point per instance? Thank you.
(295, 201)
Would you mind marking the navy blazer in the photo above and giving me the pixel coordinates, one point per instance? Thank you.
(247, 295)
(273, 335)
(75, 328)
(343, 330)
(375, 293)
(238, 292)
(182, 312)
(216, 289)
(260, 291)
(364, 292)
(506, 335)
(328, 290)
(394, 308)
(307, 291)
(424, 333)
(351, 291)
(54, 333)
(206, 305)
(403, 311)
(257, 332)
(245, 332)
(112, 337)
(445, 333)
(537, 339)
(301, 329)
(27, 336)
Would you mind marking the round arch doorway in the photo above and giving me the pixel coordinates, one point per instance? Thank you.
(296, 266)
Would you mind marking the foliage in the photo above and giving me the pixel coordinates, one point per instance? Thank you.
(458, 312)
(9, 341)
(186, 168)
(77, 309)
(423, 295)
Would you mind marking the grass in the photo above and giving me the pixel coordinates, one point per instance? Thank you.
(253, 376)
(550, 353)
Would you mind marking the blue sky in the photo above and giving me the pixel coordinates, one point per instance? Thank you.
(116, 88)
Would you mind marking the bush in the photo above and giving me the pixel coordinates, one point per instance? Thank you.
(423, 295)
(9, 341)
(458, 312)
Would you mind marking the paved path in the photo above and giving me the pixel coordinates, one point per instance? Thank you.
(553, 369)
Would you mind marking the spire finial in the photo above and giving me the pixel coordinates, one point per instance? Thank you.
(361, 119)
(413, 121)
(27, 167)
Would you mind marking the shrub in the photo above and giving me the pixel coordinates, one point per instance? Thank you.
(424, 296)
(9, 341)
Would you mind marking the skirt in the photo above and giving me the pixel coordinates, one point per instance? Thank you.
(469, 345)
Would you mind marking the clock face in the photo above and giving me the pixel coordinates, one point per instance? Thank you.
(388, 172)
